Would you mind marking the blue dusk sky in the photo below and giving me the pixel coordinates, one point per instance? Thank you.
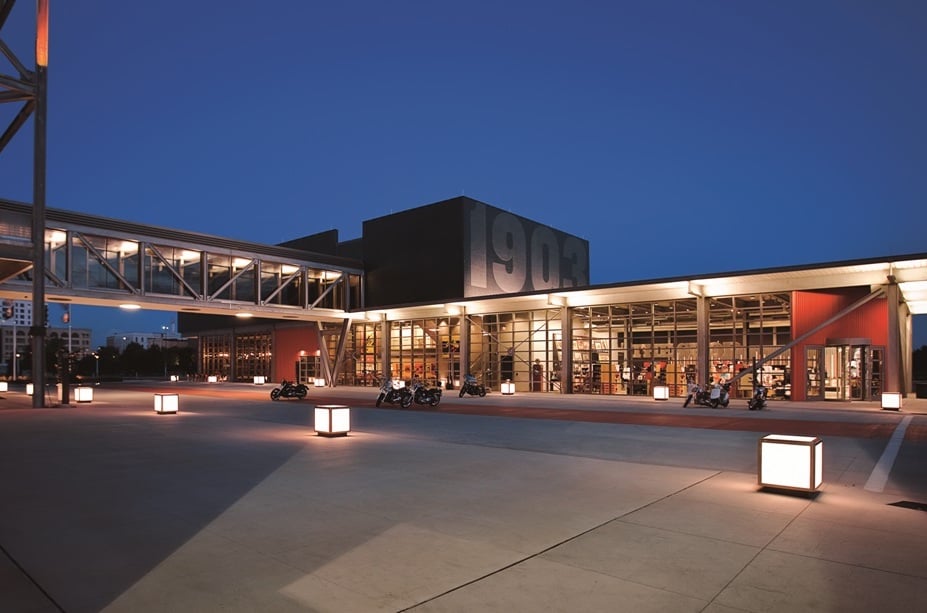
(677, 136)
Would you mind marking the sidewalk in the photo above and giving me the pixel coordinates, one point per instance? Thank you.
(234, 505)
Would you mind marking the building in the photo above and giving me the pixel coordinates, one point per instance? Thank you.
(15, 339)
(509, 300)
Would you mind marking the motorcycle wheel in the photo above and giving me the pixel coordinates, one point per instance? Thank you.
(302, 391)
(713, 404)
(434, 401)
(406, 401)
(482, 392)
(462, 390)
(380, 399)
(275, 393)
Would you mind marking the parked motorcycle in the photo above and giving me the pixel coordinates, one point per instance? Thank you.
(698, 395)
(394, 392)
(758, 401)
(470, 386)
(718, 395)
(422, 394)
(288, 389)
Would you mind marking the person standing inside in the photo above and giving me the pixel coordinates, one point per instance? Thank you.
(537, 375)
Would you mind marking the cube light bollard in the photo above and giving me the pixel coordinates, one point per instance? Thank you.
(891, 401)
(259, 379)
(332, 420)
(319, 382)
(212, 379)
(508, 388)
(175, 378)
(4, 386)
(661, 392)
(83, 394)
(166, 403)
(791, 462)
(30, 387)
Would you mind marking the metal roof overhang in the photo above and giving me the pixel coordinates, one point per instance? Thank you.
(909, 271)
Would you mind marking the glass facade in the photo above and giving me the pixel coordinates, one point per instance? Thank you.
(614, 349)
(215, 355)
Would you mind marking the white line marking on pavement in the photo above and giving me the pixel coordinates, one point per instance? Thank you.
(879, 476)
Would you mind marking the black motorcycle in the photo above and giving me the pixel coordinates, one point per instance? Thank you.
(394, 393)
(470, 386)
(421, 394)
(288, 389)
(717, 395)
(758, 401)
(698, 395)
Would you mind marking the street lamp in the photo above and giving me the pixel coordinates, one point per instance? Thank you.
(97, 358)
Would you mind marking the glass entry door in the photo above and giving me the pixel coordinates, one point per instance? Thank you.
(814, 364)
(849, 372)
(834, 373)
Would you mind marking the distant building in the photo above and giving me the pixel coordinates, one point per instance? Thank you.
(146, 339)
(14, 338)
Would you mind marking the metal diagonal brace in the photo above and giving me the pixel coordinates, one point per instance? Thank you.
(103, 262)
(843, 313)
(234, 278)
(157, 253)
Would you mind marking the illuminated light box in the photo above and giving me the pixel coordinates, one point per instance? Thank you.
(166, 403)
(259, 379)
(319, 382)
(661, 392)
(790, 462)
(4, 386)
(332, 420)
(891, 400)
(29, 388)
(175, 378)
(212, 379)
(508, 388)
(83, 394)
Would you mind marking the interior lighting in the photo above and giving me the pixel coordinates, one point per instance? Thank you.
(130, 307)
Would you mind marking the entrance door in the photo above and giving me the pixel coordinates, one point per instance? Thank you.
(814, 364)
(834, 373)
(846, 369)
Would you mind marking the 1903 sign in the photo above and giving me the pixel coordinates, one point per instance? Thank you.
(510, 254)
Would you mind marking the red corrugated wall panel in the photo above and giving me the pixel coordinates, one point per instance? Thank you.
(809, 309)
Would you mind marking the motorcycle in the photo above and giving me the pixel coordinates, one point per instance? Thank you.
(718, 395)
(393, 392)
(421, 394)
(758, 401)
(698, 394)
(288, 389)
(470, 386)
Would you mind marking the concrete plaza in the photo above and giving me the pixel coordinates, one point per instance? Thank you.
(530, 502)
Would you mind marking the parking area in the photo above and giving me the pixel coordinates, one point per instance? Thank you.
(524, 503)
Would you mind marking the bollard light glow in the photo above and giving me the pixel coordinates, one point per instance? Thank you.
(332, 420)
(791, 462)
(166, 403)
